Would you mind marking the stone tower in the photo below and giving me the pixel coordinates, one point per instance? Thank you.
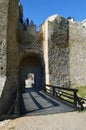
(9, 15)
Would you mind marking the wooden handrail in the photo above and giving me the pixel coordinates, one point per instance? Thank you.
(62, 88)
(61, 92)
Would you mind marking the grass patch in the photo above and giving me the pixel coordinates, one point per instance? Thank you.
(82, 91)
(66, 95)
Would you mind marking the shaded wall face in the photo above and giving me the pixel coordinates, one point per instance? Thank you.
(10, 19)
(58, 52)
(29, 39)
(12, 45)
(30, 42)
(31, 64)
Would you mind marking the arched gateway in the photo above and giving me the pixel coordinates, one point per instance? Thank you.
(32, 72)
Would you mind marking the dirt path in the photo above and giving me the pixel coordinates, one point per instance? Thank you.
(63, 121)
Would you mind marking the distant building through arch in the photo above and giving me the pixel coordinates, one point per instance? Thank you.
(32, 64)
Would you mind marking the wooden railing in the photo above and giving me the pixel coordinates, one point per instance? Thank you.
(67, 94)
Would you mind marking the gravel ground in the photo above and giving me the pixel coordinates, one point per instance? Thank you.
(63, 121)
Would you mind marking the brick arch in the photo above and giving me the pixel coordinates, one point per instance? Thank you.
(32, 62)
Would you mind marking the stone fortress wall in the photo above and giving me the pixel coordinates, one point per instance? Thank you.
(61, 44)
(9, 13)
(77, 61)
(66, 41)
(3, 41)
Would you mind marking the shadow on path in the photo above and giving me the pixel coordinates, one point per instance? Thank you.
(38, 103)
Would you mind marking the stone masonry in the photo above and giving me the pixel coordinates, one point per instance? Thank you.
(9, 49)
(66, 51)
(3, 41)
(59, 47)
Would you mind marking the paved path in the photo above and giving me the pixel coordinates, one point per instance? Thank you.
(61, 121)
(38, 103)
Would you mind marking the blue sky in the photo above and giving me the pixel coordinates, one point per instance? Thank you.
(40, 10)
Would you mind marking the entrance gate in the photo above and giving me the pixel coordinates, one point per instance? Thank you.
(32, 65)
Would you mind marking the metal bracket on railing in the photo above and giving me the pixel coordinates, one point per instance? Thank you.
(80, 103)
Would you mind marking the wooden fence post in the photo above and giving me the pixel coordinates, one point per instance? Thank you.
(53, 91)
(75, 99)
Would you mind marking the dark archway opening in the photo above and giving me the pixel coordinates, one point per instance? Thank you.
(32, 72)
